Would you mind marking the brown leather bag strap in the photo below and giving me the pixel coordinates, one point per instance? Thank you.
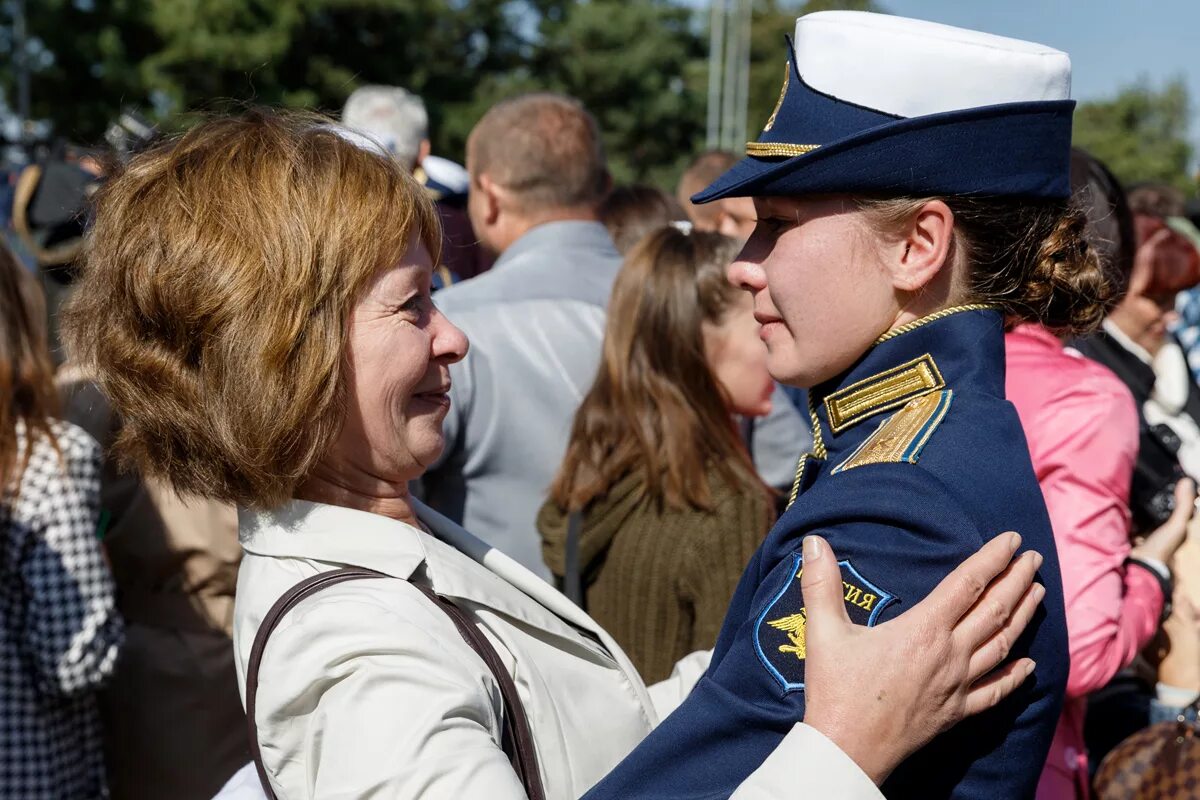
(516, 738)
(283, 605)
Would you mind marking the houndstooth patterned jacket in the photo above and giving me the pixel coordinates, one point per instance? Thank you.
(59, 631)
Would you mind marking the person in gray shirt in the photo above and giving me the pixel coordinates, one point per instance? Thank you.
(536, 322)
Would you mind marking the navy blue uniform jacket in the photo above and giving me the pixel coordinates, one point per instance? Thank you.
(924, 460)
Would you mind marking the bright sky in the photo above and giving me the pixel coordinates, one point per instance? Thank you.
(1112, 43)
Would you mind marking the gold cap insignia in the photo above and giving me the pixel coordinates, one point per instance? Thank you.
(778, 149)
(787, 76)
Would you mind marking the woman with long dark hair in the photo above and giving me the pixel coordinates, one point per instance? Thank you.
(670, 506)
(59, 633)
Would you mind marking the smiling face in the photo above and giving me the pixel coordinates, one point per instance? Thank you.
(822, 295)
(398, 377)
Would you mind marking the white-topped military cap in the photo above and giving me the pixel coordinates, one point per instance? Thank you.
(880, 104)
(926, 67)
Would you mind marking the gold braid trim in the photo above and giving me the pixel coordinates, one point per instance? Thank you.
(777, 149)
(799, 477)
(934, 317)
(818, 440)
(819, 451)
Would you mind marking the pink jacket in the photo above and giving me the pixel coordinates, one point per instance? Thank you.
(1082, 427)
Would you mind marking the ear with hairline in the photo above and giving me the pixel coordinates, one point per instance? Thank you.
(917, 258)
(491, 192)
(423, 151)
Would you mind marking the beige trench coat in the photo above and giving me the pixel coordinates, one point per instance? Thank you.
(367, 690)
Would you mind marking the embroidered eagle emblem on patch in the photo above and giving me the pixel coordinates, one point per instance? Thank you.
(793, 626)
(779, 635)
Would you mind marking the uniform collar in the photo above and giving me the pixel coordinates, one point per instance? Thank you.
(960, 348)
(345, 536)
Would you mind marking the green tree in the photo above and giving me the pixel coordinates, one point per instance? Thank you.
(639, 65)
(85, 60)
(1141, 133)
(171, 57)
(625, 60)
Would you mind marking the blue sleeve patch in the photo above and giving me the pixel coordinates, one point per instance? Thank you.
(779, 630)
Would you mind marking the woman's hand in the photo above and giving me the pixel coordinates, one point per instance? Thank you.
(1179, 646)
(1166, 539)
(1176, 650)
(882, 693)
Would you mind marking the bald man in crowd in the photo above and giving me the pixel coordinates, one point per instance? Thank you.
(733, 216)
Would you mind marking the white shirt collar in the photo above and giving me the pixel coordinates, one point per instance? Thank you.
(1123, 339)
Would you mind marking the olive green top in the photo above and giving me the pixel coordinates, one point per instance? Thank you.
(660, 580)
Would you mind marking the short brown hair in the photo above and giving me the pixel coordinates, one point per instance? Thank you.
(631, 212)
(656, 406)
(704, 169)
(218, 281)
(545, 148)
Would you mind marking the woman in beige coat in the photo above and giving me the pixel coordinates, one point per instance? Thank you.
(256, 303)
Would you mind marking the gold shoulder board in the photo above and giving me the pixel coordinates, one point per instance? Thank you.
(902, 437)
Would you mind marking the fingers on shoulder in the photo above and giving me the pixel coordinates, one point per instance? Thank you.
(960, 591)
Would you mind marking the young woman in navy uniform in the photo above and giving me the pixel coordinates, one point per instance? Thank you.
(912, 193)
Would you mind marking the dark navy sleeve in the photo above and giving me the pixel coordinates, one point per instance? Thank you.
(896, 531)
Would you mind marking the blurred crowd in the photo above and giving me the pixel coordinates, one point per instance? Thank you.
(634, 455)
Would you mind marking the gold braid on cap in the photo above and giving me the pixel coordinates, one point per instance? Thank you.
(778, 149)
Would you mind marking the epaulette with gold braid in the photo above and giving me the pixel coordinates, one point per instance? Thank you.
(901, 438)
